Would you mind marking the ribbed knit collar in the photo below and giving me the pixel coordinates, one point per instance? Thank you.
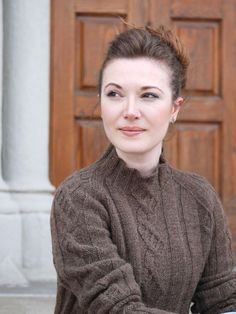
(118, 173)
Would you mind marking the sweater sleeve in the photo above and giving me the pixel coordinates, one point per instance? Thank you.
(87, 261)
(216, 291)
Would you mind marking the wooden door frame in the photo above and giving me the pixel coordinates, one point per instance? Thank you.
(62, 128)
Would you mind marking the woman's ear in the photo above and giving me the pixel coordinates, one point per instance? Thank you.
(176, 107)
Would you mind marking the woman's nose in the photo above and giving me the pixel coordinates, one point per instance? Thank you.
(131, 110)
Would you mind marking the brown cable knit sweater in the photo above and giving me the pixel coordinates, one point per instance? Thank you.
(127, 244)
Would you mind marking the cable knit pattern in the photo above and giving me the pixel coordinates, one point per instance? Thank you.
(127, 244)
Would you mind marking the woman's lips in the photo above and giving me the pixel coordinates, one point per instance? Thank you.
(131, 131)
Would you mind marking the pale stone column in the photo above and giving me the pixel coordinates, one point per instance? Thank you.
(10, 220)
(26, 127)
(6, 203)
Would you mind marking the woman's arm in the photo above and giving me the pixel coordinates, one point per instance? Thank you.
(216, 291)
(86, 259)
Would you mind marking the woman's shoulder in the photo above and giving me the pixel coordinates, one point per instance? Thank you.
(187, 177)
(93, 178)
(197, 186)
(87, 180)
(80, 192)
(78, 195)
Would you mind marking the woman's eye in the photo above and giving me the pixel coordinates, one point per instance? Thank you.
(150, 95)
(112, 94)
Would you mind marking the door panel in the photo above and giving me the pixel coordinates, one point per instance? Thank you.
(202, 39)
(91, 141)
(92, 33)
(204, 138)
(196, 144)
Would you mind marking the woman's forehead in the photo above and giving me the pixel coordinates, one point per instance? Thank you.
(141, 71)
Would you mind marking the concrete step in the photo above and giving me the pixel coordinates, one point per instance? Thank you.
(37, 298)
(26, 305)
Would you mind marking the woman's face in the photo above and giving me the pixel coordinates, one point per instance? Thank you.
(136, 104)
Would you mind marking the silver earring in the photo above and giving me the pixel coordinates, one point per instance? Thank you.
(172, 120)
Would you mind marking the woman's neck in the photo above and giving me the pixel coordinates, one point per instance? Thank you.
(145, 163)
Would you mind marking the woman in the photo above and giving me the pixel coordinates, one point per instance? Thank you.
(130, 233)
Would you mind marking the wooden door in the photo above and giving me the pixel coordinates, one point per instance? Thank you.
(204, 139)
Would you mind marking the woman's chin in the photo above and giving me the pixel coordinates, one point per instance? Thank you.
(131, 149)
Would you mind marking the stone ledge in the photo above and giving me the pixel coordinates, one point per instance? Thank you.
(26, 305)
(37, 298)
(40, 289)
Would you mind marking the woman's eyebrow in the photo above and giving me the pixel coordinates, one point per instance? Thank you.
(149, 87)
(113, 84)
(142, 88)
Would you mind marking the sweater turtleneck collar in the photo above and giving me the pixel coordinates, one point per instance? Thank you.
(117, 172)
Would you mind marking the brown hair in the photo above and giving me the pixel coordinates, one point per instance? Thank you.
(159, 44)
